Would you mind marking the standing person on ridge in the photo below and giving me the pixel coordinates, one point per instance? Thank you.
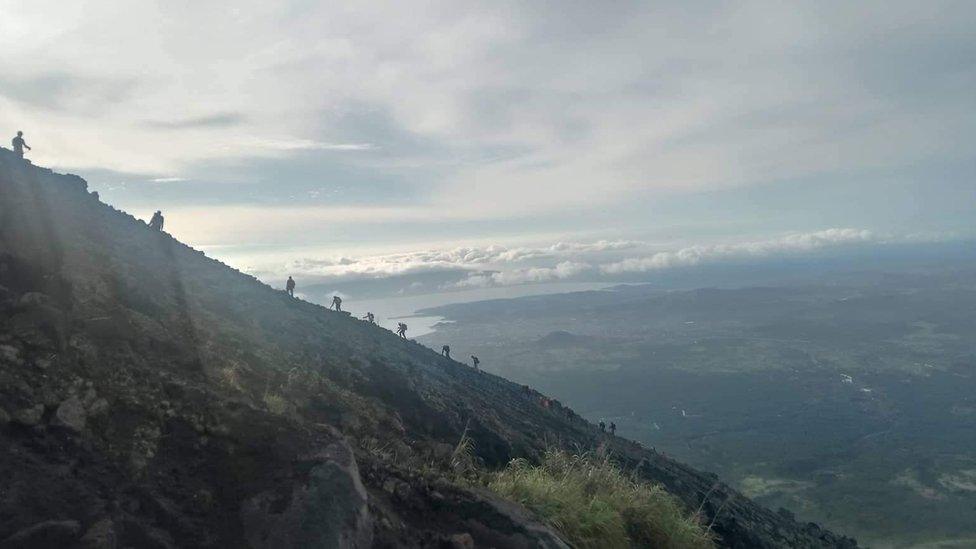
(337, 303)
(19, 144)
(402, 330)
(603, 427)
(475, 362)
(613, 429)
(446, 351)
(290, 287)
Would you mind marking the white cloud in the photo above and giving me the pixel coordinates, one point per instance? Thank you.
(496, 265)
(470, 258)
(695, 255)
(309, 145)
(562, 271)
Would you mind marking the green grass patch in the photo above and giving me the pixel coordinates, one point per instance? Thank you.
(594, 504)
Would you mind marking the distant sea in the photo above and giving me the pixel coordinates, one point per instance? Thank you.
(390, 310)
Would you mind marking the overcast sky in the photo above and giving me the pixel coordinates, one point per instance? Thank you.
(278, 132)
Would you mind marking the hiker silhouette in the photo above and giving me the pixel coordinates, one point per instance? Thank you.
(370, 317)
(290, 287)
(337, 303)
(402, 330)
(475, 362)
(19, 144)
(446, 351)
(157, 220)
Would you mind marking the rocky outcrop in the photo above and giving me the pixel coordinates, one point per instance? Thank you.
(152, 397)
(71, 415)
(328, 509)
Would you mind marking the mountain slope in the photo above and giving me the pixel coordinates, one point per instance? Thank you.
(153, 397)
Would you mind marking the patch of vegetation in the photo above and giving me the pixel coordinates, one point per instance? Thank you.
(594, 504)
(276, 404)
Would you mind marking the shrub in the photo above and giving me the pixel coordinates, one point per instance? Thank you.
(591, 502)
(276, 404)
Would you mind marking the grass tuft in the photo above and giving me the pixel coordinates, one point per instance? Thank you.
(276, 404)
(591, 502)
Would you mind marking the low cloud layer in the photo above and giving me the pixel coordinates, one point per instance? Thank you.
(605, 260)
(697, 255)
(470, 258)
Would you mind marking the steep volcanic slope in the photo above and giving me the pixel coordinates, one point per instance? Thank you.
(152, 397)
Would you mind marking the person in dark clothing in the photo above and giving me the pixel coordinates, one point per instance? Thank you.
(370, 317)
(475, 362)
(156, 223)
(290, 287)
(446, 351)
(402, 330)
(613, 428)
(337, 303)
(19, 144)
(603, 427)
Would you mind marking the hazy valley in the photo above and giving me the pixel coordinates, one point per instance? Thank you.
(849, 400)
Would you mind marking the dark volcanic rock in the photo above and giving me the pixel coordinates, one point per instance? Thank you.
(50, 534)
(70, 415)
(101, 535)
(327, 510)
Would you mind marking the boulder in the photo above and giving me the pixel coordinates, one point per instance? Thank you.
(70, 415)
(328, 510)
(50, 534)
(33, 299)
(98, 407)
(29, 416)
(462, 541)
(101, 535)
(10, 355)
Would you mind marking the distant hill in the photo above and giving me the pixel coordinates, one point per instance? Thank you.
(153, 397)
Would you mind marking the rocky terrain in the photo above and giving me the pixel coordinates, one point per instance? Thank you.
(153, 397)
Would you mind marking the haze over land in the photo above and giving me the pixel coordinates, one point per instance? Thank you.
(841, 388)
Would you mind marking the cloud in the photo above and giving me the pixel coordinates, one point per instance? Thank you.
(309, 145)
(564, 270)
(696, 255)
(215, 120)
(496, 265)
(66, 93)
(466, 258)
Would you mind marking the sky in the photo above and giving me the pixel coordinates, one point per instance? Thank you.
(372, 139)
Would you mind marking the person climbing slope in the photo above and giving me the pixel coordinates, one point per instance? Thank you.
(337, 303)
(446, 351)
(401, 330)
(475, 362)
